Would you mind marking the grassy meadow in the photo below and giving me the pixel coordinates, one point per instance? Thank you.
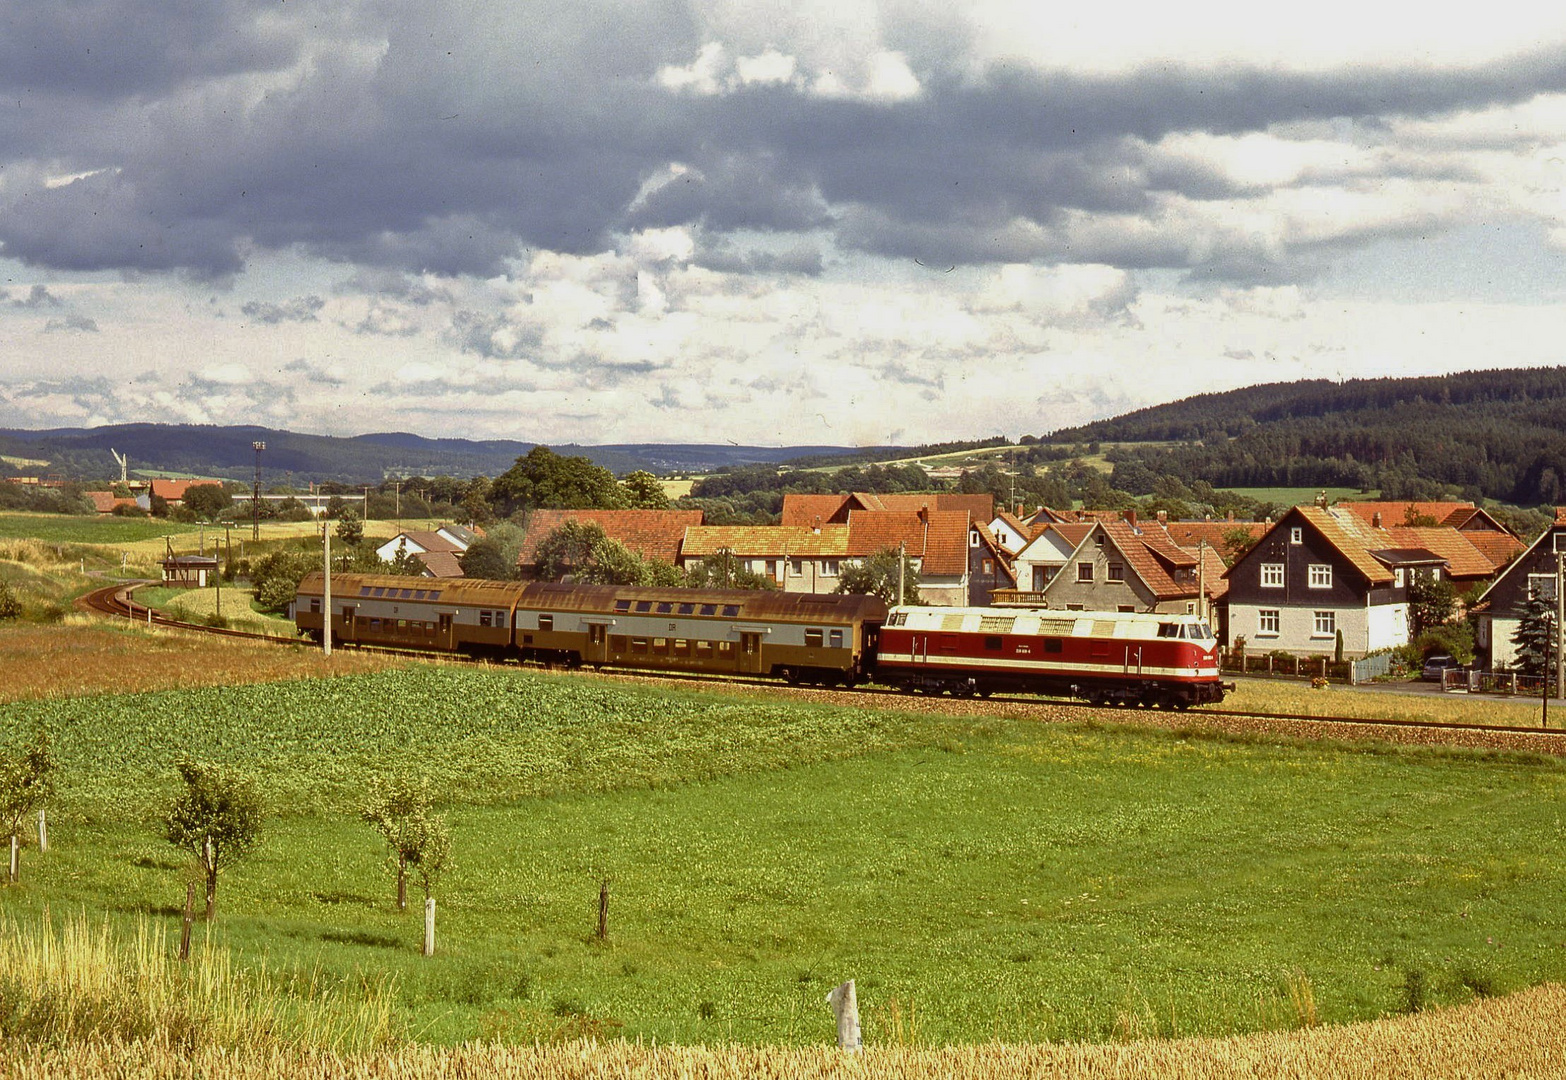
(983, 879)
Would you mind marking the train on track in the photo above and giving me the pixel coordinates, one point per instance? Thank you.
(1120, 658)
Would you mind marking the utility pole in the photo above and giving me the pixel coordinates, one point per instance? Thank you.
(255, 497)
(326, 589)
(902, 563)
(1201, 579)
(1560, 621)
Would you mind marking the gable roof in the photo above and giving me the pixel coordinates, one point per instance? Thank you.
(425, 540)
(1190, 534)
(1151, 558)
(810, 509)
(1463, 557)
(440, 564)
(1499, 547)
(174, 490)
(651, 534)
(766, 541)
(1351, 536)
(938, 538)
(105, 501)
(1395, 513)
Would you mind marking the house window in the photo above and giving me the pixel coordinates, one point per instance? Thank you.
(989, 567)
(1267, 621)
(1326, 624)
(1084, 571)
(829, 568)
(1320, 576)
(797, 567)
(1397, 577)
(1541, 586)
(1272, 575)
(1296, 535)
(1116, 572)
(772, 568)
(973, 538)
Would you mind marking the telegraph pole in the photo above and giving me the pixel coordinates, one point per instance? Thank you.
(255, 497)
(326, 589)
(1560, 621)
(902, 563)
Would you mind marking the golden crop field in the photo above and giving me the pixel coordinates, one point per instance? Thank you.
(1521, 1036)
(90, 655)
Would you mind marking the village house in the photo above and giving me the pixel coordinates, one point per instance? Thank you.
(438, 551)
(1499, 614)
(655, 535)
(796, 558)
(1124, 566)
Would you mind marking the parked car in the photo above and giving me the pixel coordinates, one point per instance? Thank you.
(1436, 667)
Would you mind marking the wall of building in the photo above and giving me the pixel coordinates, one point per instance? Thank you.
(1297, 629)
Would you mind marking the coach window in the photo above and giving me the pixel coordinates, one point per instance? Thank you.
(622, 605)
(546, 622)
(1084, 571)
(682, 647)
(704, 650)
(315, 607)
(665, 608)
(725, 646)
(709, 609)
(617, 642)
(484, 619)
(813, 638)
(686, 609)
(638, 645)
(730, 611)
(644, 605)
(836, 639)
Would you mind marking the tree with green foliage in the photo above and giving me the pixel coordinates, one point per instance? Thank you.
(484, 560)
(878, 575)
(403, 561)
(1431, 602)
(567, 549)
(275, 577)
(399, 809)
(350, 528)
(1236, 542)
(207, 501)
(642, 491)
(544, 479)
(10, 606)
(26, 782)
(1534, 637)
(217, 819)
(721, 570)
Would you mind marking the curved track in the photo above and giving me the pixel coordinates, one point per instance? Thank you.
(116, 601)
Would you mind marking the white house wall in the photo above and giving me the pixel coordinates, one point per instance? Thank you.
(1364, 629)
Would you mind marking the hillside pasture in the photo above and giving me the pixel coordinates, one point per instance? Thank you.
(984, 879)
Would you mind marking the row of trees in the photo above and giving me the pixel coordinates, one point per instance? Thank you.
(217, 818)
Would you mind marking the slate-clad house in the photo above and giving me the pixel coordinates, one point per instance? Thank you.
(1318, 572)
(1500, 612)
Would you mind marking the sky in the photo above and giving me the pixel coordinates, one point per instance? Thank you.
(774, 223)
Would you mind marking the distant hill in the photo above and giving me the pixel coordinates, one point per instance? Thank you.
(1493, 434)
(190, 449)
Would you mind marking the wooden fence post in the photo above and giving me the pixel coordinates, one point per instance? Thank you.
(603, 911)
(16, 858)
(43, 832)
(845, 1003)
(190, 915)
(429, 926)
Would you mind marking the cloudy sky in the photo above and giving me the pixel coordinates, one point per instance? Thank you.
(808, 221)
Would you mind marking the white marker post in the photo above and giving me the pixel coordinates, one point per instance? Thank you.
(326, 590)
(429, 926)
(845, 1003)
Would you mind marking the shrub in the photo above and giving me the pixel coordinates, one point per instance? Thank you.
(10, 606)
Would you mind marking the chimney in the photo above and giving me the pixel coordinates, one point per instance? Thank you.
(924, 514)
(1130, 516)
(1321, 499)
(1163, 517)
(1375, 520)
(1229, 516)
(815, 526)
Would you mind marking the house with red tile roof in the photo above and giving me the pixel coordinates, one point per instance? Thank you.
(1122, 566)
(651, 534)
(989, 566)
(1457, 515)
(106, 502)
(834, 509)
(171, 491)
(934, 541)
(797, 558)
(1320, 573)
(450, 540)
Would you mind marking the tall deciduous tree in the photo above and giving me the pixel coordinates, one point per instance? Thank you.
(217, 819)
(207, 501)
(543, 478)
(643, 491)
(485, 560)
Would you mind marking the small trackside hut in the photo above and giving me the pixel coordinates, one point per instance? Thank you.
(1104, 657)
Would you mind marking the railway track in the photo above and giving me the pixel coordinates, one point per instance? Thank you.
(117, 601)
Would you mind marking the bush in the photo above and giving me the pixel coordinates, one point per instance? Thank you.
(10, 606)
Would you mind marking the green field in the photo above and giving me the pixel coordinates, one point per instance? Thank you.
(981, 879)
(1298, 496)
(87, 529)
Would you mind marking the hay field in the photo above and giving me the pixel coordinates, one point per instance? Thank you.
(1522, 1037)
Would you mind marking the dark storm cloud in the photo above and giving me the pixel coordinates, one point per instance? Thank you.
(395, 137)
(805, 259)
(395, 286)
(299, 309)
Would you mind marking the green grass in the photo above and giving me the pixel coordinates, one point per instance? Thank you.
(88, 529)
(986, 878)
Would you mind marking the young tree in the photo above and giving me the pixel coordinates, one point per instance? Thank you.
(1236, 542)
(1431, 602)
(399, 810)
(1535, 637)
(217, 819)
(26, 782)
(207, 501)
(350, 528)
(724, 571)
(403, 561)
(877, 576)
(484, 559)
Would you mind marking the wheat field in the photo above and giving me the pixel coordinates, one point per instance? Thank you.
(1521, 1036)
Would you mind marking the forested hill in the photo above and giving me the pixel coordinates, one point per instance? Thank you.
(1497, 434)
